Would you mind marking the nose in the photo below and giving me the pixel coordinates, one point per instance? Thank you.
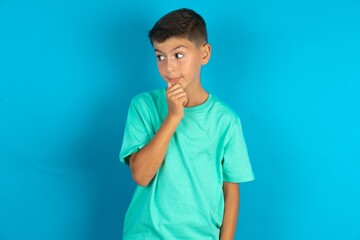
(170, 65)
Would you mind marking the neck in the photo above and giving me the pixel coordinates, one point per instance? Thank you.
(196, 95)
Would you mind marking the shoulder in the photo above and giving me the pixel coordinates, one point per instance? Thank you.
(223, 110)
(228, 120)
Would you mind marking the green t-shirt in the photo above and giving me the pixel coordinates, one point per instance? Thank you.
(185, 198)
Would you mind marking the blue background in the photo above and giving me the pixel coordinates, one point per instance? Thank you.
(291, 69)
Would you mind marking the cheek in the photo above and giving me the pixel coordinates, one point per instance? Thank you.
(161, 68)
(185, 66)
(191, 67)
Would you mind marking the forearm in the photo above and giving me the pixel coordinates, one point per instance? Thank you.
(232, 200)
(145, 163)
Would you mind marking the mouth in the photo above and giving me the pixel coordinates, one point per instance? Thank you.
(174, 80)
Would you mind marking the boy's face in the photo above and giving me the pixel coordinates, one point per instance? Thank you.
(179, 60)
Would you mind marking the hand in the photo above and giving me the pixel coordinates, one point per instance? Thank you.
(176, 98)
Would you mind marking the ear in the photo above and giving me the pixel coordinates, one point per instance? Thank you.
(205, 53)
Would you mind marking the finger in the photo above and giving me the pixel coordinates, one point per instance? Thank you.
(169, 84)
(173, 92)
(178, 98)
(175, 86)
(179, 95)
(183, 100)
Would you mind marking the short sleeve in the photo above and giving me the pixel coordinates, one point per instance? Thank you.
(236, 163)
(136, 134)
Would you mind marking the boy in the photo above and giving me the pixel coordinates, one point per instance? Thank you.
(184, 146)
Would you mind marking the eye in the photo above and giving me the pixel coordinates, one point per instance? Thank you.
(160, 58)
(179, 55)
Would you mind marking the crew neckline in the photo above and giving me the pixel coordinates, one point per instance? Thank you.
(197, 108)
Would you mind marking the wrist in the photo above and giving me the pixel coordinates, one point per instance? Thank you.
(174, 119)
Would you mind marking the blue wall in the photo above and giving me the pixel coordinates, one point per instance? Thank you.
(291, 69)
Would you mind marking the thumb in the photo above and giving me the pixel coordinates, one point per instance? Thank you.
(169, 84)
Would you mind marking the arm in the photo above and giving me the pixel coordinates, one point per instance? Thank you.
(232, 199)
(145, 163)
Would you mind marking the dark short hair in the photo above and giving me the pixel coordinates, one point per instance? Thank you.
(181, 23)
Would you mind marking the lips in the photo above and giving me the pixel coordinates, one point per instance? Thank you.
(174, 79)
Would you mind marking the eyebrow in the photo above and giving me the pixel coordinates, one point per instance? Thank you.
(157, 50)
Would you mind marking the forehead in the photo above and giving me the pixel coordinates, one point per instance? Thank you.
(173, 44)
